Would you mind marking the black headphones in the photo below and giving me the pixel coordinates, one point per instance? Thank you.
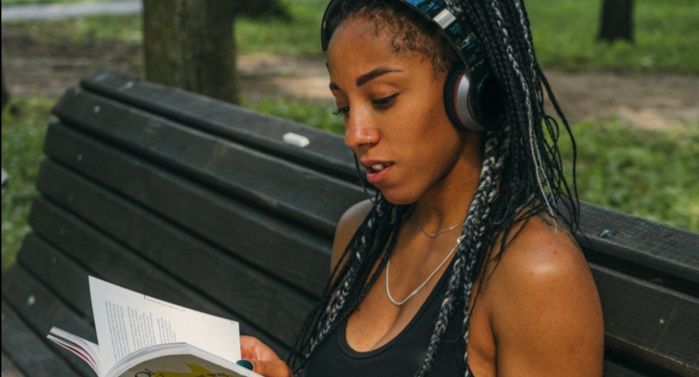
(472, 97)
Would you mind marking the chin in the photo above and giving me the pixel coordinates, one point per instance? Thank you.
(398, 197)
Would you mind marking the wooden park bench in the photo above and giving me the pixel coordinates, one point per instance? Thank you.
(224, 210)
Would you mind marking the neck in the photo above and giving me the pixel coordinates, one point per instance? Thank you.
(446, 203)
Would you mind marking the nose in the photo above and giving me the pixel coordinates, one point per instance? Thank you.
(360, 132)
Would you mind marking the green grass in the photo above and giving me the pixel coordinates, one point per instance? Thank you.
(564, 34)
(74, 32)
(298, 37)
(649, 174)
(666, 36)
(22, 140)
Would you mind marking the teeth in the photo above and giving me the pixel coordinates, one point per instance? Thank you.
(378, 167)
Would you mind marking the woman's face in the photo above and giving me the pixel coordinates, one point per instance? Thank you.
(395, 121)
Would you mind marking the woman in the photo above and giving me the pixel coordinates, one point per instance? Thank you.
(464, 263)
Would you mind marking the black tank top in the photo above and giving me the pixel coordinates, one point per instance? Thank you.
(401, 356)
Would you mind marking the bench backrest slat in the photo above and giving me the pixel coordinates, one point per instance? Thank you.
(39, 311)
(252, 235)
(29, 352)
(83, 250)
(209, 159)
(660, 251)
(181, 254)
(230, 122)
(662, 330)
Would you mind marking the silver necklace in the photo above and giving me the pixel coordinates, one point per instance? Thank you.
(435, 234)
(422, 285)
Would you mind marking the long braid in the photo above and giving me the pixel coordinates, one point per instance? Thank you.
(524, 86)
(478, 258)
(340, 283)
(488, 33)
(468, 246)
(552, 157)
(362, 246)
(367, 245)
(364, 284)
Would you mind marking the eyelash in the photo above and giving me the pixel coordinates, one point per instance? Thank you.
(342, 110)
(381, 103)
(384, 102)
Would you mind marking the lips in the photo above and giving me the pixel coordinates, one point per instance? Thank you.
(376, 170)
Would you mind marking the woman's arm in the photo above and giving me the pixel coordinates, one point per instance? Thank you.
(547, 317)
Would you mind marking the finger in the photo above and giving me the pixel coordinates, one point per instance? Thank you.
(274, 368)
(247, 353)
(253, 348)
(248, 346)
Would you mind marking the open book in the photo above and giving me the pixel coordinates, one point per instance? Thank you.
(140, 336)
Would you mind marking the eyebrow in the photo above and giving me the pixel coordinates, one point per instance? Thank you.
(365, 78)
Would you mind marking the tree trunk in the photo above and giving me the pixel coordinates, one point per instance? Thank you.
(5, 92)
(616, 20)
(190, 44)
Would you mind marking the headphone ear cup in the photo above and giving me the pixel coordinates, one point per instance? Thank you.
(486, 102)
(457, 99)
(475, 103)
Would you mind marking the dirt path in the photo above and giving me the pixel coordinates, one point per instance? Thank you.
(655, 101)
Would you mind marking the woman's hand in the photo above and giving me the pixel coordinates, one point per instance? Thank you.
(264, 360)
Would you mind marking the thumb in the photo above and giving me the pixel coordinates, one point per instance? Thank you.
(271, 368)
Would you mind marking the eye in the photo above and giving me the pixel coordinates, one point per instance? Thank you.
(385, 102)
(341, 110)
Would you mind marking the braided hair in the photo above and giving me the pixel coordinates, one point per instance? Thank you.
(522, 173)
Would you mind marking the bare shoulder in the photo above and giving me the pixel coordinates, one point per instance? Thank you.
(544, 306)
(542, 262)
(542, 251)
(346, 227)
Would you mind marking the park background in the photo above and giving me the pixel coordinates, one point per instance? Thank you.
(633, 106)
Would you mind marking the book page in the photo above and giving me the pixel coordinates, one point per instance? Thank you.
(127, 321)
(82, 348)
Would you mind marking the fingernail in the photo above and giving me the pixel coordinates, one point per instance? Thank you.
(245, 363)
